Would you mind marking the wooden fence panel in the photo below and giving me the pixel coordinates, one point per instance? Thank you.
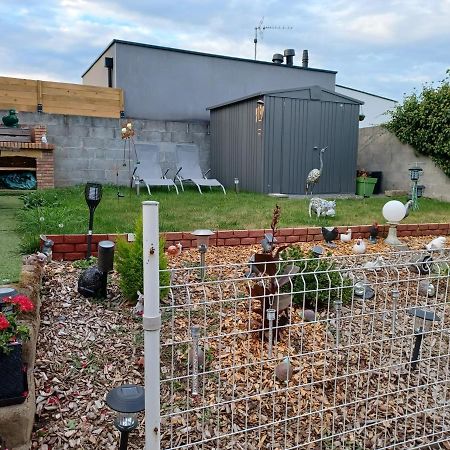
(60, 98)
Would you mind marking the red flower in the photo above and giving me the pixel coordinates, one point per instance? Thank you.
(23, 302)
(4, 324)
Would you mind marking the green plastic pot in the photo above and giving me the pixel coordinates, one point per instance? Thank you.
(365, 186)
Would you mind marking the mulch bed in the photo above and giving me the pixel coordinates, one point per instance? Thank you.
(86, 347)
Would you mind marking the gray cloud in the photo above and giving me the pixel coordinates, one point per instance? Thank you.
(386, 48)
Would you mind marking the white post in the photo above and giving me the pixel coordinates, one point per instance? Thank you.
(151, 323)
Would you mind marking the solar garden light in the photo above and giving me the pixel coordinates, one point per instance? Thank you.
(127, 400)
(317, 251)
(236, 185)
(393, 211)
(92, 195)
(6, 292)
(423, 323)
(420, 190)
(414, 173)
(202, 245)
(105, 263)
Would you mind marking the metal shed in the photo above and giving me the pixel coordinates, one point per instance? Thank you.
(266, 140)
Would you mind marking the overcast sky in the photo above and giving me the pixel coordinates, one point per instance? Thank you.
(380, 46)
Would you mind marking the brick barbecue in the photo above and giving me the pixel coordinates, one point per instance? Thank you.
(21, 149)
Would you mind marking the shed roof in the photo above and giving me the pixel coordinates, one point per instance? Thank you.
(315, 93)
(212, 55)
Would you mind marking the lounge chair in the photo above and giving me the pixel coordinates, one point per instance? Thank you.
(188, 168)
(148, 171)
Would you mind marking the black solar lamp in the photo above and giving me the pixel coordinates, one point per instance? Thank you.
(415, 172)
(420, 190)
(92, 195)
(423, 322)
(127, 400)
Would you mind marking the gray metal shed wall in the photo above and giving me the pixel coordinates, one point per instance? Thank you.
(292, 128)
(236, 148)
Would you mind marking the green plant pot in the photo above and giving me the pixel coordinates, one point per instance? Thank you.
(365, 186)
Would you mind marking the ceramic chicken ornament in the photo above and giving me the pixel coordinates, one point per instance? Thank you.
(373, 233)
(437, 243)
(330, 234)
(360, 247)
(347, 237)
(284, 370)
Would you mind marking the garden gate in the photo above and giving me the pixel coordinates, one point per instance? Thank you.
(365, 341)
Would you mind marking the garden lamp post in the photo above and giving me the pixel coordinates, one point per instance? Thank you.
(127, 400)
(202, 245)
(415, 172)
(423, 322)
(393, 211)
(92, 195)
(236, 185)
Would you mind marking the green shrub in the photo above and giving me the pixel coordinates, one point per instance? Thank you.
(129, 265)
(317, 281)
(423, 121)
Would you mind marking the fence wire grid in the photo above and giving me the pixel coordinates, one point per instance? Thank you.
(346, 362)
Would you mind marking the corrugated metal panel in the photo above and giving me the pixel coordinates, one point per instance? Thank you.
(236, 148)
(280, 159)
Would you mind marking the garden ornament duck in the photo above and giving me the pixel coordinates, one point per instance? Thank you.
(11, 120)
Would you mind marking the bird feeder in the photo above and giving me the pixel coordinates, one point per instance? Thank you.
(423, 323)
(415, 172)
(127, 400)
(92, 195)
(393, 211)
(202, 237)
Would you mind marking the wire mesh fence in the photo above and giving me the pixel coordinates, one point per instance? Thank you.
(345, 353)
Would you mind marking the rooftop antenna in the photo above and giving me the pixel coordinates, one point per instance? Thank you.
(260, 28)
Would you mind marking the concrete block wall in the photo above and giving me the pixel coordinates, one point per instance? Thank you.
(380, 150)
(91, 148)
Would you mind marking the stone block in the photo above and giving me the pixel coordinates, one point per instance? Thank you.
(178, 127)
(181, 137)
(150, 136)
(95, 143)
(101, 132)
(153, 125)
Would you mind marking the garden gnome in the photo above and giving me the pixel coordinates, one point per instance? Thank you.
(284, 371)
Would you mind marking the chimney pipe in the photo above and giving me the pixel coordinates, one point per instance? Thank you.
(277, 58)
(305, 58)
(289, 54)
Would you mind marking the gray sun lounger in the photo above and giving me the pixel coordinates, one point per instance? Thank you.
(148, 171)
(188, 168)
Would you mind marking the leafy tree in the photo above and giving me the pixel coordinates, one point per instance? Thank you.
(423, 121)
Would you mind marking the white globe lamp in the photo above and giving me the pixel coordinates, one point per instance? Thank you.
(393, 211)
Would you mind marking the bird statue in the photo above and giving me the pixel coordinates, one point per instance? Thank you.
(373, 233)
(375, 265)
(330, 234)
(360, 247)
(138, 309)
(11, 120)
(347, 237)
(175, 250)
(284, 370)
(314, 175)
(44, 139)
(436, 244)
(408, 206)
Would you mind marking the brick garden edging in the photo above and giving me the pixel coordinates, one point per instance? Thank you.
(70, 247)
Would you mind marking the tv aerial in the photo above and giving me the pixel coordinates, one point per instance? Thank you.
(260, 29)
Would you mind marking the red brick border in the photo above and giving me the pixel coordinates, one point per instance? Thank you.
(70, 247)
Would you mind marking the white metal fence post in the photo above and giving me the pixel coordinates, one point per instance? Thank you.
(151, 323)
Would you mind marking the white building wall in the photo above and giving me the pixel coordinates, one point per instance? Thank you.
(374, 107)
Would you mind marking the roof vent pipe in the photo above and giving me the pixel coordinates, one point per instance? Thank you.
(305, 58)
(289, 54)
(277, 58)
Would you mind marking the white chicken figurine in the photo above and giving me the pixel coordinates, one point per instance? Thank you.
(360, 247)
(346, 237)
(436, 244)
(175, 250)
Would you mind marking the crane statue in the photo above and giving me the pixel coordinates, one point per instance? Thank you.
(314, 175)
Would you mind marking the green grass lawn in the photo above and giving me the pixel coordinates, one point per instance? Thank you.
(65, 211)
(10, 262)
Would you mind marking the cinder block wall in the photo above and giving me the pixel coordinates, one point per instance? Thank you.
(380, 150)
(91, 149)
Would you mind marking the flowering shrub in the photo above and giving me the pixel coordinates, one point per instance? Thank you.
(10, 329)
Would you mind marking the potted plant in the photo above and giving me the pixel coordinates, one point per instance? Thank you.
(12, 334)
(365, 184)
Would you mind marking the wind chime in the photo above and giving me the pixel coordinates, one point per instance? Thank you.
(127, 135)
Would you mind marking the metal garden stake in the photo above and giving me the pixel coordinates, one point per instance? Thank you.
(395, 297)
(195, 333)
(270, 315)
(338, 309)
